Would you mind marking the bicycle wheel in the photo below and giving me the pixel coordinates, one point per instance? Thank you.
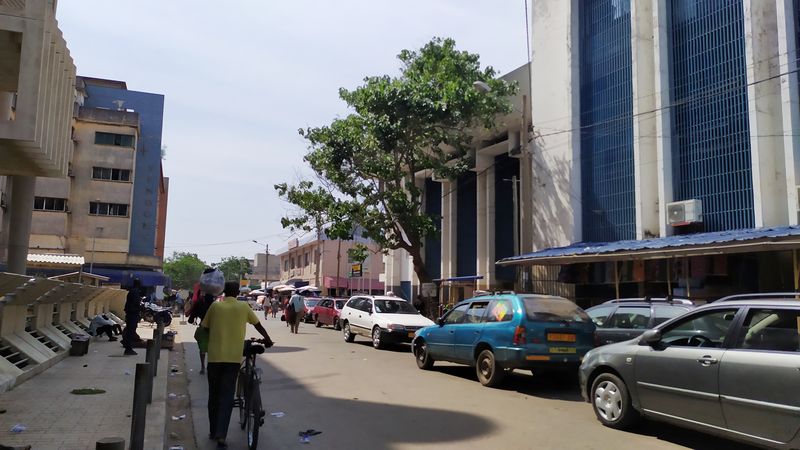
(254, 415)
(241, 401)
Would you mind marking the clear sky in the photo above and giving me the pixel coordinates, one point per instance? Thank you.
(242, 76)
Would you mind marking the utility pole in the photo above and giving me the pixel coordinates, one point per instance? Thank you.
(266, 262)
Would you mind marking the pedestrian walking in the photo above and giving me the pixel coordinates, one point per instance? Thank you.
(133, 311)
(295, 311)
(196, 315)
(274, 306)
(226, 321)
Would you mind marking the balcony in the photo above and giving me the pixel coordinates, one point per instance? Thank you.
(37, 78)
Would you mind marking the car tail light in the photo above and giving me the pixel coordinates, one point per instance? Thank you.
(519, 335)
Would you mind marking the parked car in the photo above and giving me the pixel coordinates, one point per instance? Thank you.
(383, 319)
(508, 331)
(626, 318)
(728, 368)
(327, 312)
(311, 303)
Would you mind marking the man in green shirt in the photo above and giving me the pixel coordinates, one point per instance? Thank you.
(226, 321)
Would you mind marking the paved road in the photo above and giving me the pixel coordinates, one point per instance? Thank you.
(360, 397)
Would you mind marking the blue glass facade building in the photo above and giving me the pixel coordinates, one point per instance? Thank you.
(606, 108)
(711, 157)
(467, 230)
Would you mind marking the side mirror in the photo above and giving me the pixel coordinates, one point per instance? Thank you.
(440, 321)
(650, 337)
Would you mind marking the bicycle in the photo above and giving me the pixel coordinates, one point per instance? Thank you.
(248, 392)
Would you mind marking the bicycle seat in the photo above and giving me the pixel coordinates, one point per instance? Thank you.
(252, 348)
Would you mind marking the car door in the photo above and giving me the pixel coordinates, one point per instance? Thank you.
(363, 320)
(440, 339)
(323, 311)
(600, 316)
(626, 323)
(352, 313)
(468, 332)
(759, 375)
(677, 378)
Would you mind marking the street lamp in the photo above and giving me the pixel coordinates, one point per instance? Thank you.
(96, 231)
(266, 261)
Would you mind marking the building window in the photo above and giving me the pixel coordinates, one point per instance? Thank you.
(108, 209)
(606, 89)
(711, 130)
(49, 204)
(306, 256)
(105, 173)
(286, 265)
(118, 140)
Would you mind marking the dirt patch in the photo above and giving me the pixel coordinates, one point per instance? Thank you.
(179, 432)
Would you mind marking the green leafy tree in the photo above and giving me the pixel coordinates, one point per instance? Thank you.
(366, 163)
(234, 267)
(358, 253)
(184, 269)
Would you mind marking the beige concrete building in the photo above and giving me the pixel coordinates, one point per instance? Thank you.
(322, 262)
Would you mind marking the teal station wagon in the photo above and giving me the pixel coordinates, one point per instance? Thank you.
(496, 333)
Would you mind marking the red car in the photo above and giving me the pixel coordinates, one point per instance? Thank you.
(326, 312)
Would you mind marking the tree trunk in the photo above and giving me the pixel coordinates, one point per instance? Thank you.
(429, 306)
(338, 266)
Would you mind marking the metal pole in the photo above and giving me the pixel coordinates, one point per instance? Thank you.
(669, 278)
(515, 199)
(138, 415)
(688, 277)
(796, 270)
(151, 360)
(616, 277)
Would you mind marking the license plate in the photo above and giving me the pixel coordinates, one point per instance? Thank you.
(561, 337)
(562, 349)
(411, 334)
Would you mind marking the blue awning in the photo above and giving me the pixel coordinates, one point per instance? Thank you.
(125, 277)
(699, 244)
(464, 278)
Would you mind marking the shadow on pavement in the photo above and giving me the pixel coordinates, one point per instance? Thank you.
(397, 348)
(523, 382)
(354, 423)
(286, 349)
(687, 438)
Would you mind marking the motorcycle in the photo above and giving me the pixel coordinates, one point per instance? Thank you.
(154, 313)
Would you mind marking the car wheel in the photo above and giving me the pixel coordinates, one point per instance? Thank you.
(376, 338)
(424, 359)
(489, 373)
(612, 404)
(317, 323)
(348, 336)
(337, 324)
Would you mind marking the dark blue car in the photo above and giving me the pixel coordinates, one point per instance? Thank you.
(495, 333)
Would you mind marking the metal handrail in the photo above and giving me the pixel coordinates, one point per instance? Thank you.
(762, 296)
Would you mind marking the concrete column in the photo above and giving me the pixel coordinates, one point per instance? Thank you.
(481, 260)
(449, 228)
(790, 103)
(21, 211)
(645, 143)
(489, 275)
(663, 85)
(764, 106)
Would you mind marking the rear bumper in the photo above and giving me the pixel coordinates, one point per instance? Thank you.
(520, 358)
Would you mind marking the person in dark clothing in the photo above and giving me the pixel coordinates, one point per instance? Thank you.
(197, 315)
(133, 305)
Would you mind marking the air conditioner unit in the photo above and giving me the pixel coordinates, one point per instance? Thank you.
(685, 212)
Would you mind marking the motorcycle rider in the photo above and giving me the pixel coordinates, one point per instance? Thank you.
(133, 305)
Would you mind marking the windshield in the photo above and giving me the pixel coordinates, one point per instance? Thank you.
(340, 304)
(551, 309)
(394, 307)
(310, 302)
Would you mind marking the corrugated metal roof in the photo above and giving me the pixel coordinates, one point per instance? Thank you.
(53, 258)
(707, 242)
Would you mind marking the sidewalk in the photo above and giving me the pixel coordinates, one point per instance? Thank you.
(56, 419)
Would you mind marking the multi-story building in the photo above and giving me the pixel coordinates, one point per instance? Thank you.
(111, 208)
(266, 268)
(665, 152)
(319, 261)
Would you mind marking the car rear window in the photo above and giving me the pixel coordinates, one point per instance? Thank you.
(664, 313)
(549, 309)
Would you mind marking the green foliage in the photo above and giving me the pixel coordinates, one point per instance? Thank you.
(422, 120)
(234, 267)
(184, 268)
(358, 253)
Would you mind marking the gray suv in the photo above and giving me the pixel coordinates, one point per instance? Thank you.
(730, 368)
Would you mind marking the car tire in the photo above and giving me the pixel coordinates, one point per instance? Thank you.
(490, 374)
(424, 359)
(348, 336)
(377, 334)
(612, 403)
(337, 325)
(317, 323)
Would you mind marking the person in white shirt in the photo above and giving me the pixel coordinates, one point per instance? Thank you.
(102, 324)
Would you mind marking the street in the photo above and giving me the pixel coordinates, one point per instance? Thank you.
(359, 397)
